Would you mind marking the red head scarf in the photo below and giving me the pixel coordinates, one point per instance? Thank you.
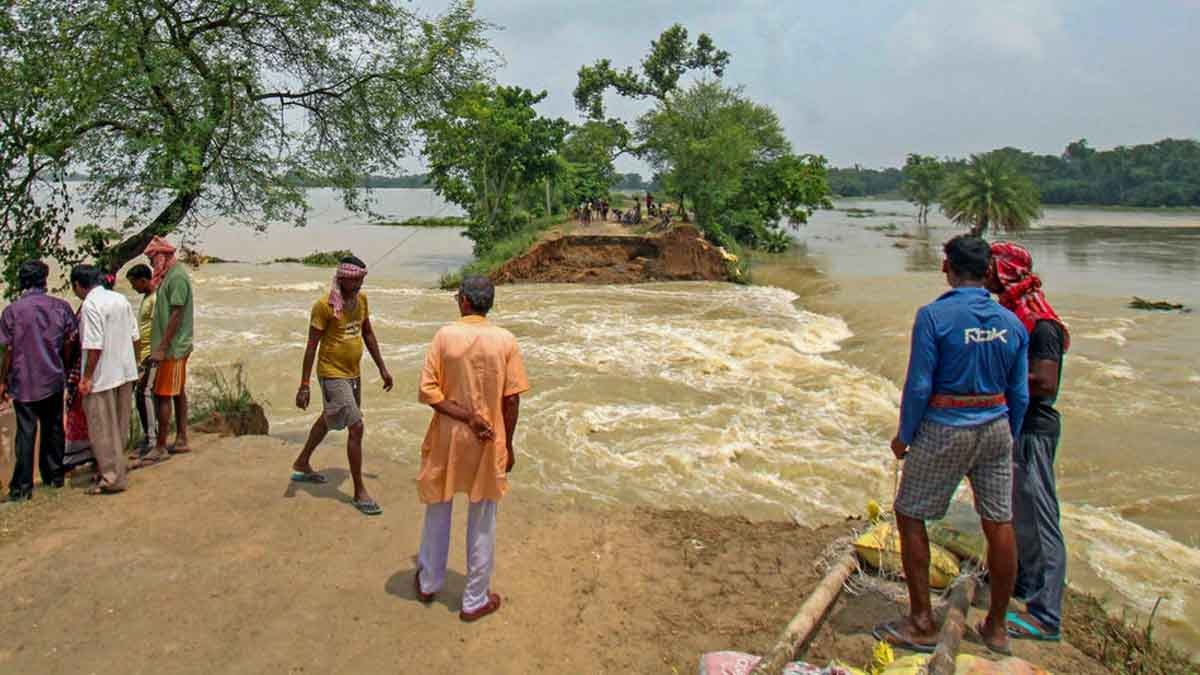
(162, 258)
(1022, 288)
(344, 271)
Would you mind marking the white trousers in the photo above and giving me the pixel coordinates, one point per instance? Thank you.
(481, 550)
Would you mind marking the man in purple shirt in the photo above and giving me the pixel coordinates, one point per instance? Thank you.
(965, 397)
(32, 331)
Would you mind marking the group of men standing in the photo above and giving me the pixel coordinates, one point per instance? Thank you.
(473, 377)
(72, 375)
(978, 403)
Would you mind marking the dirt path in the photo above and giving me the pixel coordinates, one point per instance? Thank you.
(215, 562)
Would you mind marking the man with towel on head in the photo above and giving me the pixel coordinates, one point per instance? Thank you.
(340, 325)
(1041, 552)
(473, 379)
(170, 347)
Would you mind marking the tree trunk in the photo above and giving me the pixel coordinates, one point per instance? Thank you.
(953, 628)
(162, 225)
(806, 620)
(980, 227)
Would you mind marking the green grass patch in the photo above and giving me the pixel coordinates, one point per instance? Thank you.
(502, 251)
(890, 227)
(317, 259)
(219, 393)
(425, 221)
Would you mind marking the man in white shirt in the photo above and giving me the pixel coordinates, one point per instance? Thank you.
(108, 330)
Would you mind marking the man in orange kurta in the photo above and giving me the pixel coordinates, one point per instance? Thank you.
(473, 378)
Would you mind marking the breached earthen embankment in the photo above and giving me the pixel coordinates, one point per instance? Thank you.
(682, 254)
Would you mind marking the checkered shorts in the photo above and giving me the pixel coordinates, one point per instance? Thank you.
(940, 456)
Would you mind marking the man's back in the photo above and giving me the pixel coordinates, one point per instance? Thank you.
(965, 344)
(476, 358)
(108, 324)
(34, 328)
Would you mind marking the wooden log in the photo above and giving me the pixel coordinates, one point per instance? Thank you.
(953, 627)
(802, 624)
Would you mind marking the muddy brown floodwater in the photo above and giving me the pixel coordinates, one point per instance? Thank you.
(776, 400)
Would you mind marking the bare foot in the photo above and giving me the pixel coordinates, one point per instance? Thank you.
(995, 637)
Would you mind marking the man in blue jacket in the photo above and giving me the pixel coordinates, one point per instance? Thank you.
(964, 401)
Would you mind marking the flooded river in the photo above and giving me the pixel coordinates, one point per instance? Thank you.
(775, 400)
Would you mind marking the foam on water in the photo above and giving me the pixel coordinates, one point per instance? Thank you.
(717, 397)
(1137, 563)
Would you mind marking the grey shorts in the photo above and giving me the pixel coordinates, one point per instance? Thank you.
(940, 456)
(343, 402)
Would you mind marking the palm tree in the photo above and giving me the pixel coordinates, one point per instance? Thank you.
(990, 191)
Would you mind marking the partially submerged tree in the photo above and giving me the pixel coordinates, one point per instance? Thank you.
(730, 158)
(989, 191)
(488, 145)
(173, 106)
(923, 177)
(711, 145)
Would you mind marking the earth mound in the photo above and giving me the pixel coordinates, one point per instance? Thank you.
(249, 422)
(681, 254)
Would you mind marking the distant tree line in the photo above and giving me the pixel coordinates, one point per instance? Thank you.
(1166, 173)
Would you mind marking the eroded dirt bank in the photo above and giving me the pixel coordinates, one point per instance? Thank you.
(680, 254)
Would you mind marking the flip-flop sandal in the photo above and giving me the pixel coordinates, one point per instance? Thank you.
(368, 507)
(176, 450)
(94, 491)
(143, 462)
(1001, 649)
(1020, 629)
(889, 632)
(309, 477)
(421, 595)
(492, 605)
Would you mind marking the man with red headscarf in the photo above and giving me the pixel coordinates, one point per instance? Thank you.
(170, 347)
(1041, 552)
(339, 326)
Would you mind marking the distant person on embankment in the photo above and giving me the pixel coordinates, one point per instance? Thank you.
(33, 334)
(964, 401)
(339, 326)
(108, 331)
(473, 378)
(171, 345)
(140, 277)
(1041, 551)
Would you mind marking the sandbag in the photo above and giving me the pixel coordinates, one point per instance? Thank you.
(965, 664)
(737, 663)
(879, 547)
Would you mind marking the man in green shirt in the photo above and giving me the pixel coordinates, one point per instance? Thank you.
(171, 345)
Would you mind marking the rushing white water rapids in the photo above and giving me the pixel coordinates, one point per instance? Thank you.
(774, 400)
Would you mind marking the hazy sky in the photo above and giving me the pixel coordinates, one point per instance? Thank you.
(867, 81)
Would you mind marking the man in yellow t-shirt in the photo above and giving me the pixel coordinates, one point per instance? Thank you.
(339, 327)
(140, 278)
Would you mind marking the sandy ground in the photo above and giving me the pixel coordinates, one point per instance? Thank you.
(215, 561)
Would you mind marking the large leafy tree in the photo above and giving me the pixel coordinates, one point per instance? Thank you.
(923, 177)
(671, 57)
(709, 144)
(989, 191)
(730, 158)
(488, 146)
(173, 106)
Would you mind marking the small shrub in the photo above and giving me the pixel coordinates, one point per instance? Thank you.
(425, 221)
(220, 394)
